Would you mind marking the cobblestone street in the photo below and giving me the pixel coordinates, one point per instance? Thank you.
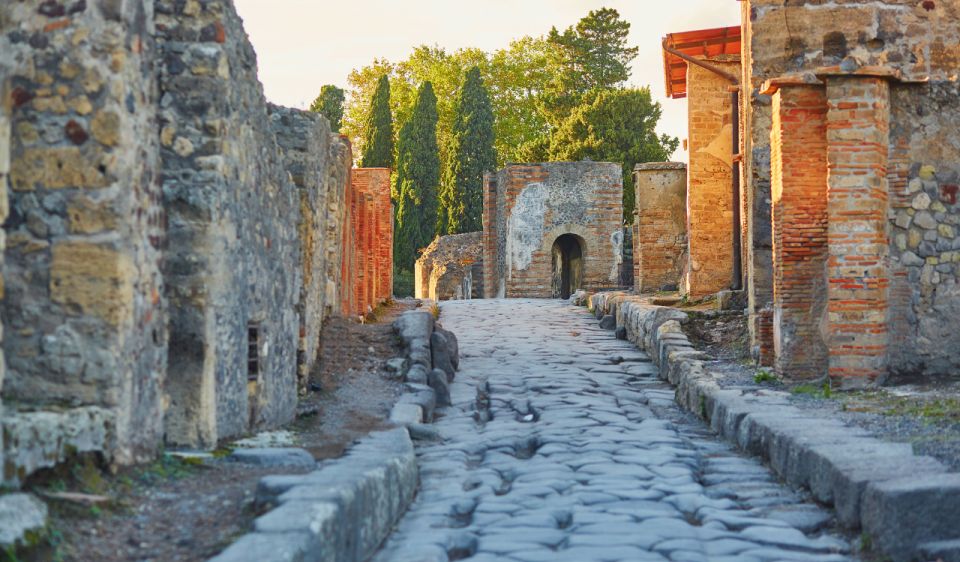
(562, 444)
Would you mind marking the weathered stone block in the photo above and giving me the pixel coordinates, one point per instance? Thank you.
(903, 514)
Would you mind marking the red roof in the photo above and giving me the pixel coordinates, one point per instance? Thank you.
(703, 43)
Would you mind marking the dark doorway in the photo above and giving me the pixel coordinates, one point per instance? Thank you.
(567, 266)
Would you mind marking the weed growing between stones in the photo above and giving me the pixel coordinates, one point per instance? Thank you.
(824, 391)
(765, 376)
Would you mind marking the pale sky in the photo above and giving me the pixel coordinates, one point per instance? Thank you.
(304, 44)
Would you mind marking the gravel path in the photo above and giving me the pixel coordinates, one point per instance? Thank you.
(562, 444)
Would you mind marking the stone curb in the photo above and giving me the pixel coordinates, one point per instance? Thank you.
(903, 502)
(432, 354)
(341, 512)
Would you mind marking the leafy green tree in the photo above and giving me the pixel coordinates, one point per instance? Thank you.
(516, 78)
(330, 104)
(589, 56)
(378, 144)
(361, 85)
(416, 180)
(471, 154)
(615, 126)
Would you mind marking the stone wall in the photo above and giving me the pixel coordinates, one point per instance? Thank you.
(660, 228)
(889, 153)
(923, 227)
(451, 267)
(84, 309)
(305, 139)
(153, 191)
(528, 207)
(232, 211)
(4, 211)
(709, 179)
(337, 185)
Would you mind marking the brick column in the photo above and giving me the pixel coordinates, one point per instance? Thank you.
(489, 240)
(798, 159)
(659, 237)
(858, 118)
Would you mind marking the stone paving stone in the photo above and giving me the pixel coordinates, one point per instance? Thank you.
(561, 447)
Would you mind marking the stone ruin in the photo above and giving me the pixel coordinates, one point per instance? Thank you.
(172, 242)
(832, 180)
(450, 268)
(552, 228)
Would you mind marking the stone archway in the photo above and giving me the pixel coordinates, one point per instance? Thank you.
(567, 259)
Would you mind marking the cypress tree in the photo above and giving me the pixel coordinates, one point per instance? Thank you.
(417, 178)
(471, 154)
(378, 143)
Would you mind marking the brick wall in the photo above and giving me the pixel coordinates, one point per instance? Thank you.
(370, 275)
(660, 235)
(798, 144)
(538, 203)
(83, 310)
(709, 178)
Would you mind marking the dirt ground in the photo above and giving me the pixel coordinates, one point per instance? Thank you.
(186, 510)
(723, 335)
(922, 411)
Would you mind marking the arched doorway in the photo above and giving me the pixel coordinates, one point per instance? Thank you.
(567, 265)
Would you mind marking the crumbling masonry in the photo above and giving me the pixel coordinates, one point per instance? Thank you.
(173, 243)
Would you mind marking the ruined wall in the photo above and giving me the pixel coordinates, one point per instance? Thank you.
(924, 224)
(232, 261)
(336, 186)
(83, 310)
(4, 211)
(535, 205)
(370, 276)
(660, 227)
(451, 267)
(305, 138)
(888, 73)
(709, 179)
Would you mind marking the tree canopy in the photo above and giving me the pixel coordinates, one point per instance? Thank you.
(547, 96)
(330, 104)
(615, 126)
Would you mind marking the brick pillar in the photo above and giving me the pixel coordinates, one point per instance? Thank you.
(660, 227)
(798, 151)
(489, 235)
(858, 118)
(370, 283)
